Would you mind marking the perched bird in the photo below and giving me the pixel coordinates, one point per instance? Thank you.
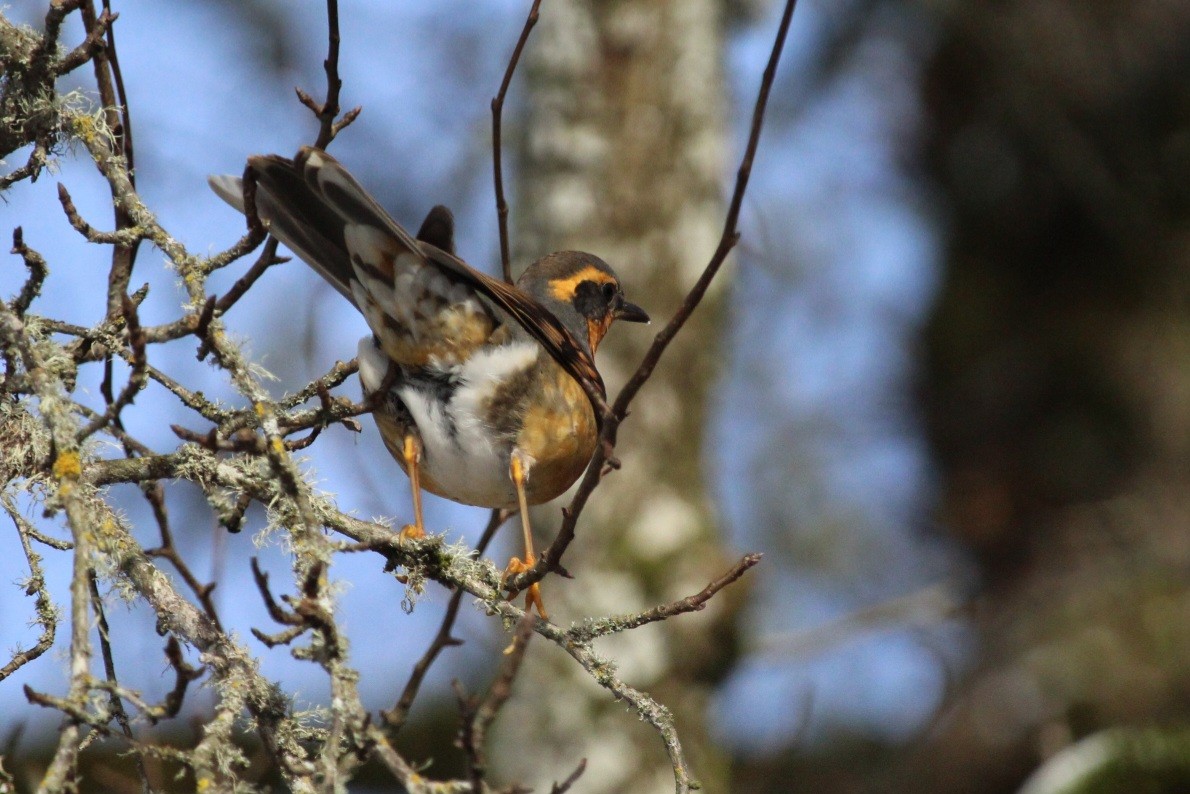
(477, 385)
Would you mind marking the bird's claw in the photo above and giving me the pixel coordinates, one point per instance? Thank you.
(533, 600)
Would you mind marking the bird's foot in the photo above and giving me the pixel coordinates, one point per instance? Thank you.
(532, 595)
(411, 532)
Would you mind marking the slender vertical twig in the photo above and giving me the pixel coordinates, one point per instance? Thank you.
(330, 108)
(497, 111)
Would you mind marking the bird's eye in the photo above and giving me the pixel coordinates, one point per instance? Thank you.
(609, 291)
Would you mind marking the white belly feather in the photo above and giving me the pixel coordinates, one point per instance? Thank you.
(464, 465)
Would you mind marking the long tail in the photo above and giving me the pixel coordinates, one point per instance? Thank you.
(302, 218)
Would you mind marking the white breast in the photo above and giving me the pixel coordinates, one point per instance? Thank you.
(464, 464)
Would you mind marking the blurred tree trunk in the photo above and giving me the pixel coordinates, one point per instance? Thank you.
(623, 153)
(1058, 372)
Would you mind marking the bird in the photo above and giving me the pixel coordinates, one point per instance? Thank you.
(481, 390)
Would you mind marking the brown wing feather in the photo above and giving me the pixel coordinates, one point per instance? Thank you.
(533, 317)
(320, 211)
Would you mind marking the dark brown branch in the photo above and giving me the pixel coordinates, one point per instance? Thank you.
(118, 119)
(328, 110)
(118, 76)
(136, 379)
(268, 257)
(233, 521)
(115, 702)
(32, 167)
(282, 616)
(730, 233)
(184, 674)
(93, 235)
(54, 17)
(202, 328)
(551, 557)
(35, 262)
(92, 44)
(497, 168)
(478, 717)
(169, 551)
(305, 613)
(564, 786)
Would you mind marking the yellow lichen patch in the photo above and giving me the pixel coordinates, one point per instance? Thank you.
(68, 466)
(84, 128)
(563, 288)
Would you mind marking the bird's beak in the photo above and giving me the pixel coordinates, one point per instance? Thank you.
(630, 312)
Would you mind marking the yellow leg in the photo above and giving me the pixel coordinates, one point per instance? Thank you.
(411, 452)
(519, 474)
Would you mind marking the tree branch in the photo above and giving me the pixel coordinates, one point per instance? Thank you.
(497, 167)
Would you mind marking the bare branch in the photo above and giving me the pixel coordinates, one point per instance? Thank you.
(602, 627)
(37, 273)
(47, 616)
(497, 168)
(564, 786)
(479, 716)
(90, 46)
(136, 379)
(122, 237)
(109, 666)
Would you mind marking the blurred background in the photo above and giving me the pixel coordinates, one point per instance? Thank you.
(944, 383)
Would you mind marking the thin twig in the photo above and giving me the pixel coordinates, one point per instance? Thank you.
(564, 786)
(47, 616)
(118, 118)
(184, 674)
(328, 110)
(497, 168)
(479, 716)
(136, 379)
(694, 603)
(90, 47)
(35, 262)
(109, 667)
(268, 257)
(93, 235)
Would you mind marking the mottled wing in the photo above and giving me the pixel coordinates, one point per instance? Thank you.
(417, 310)
(295, 216)
(421, 301)
(539, 322)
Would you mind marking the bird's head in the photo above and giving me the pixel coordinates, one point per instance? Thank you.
(581, 291)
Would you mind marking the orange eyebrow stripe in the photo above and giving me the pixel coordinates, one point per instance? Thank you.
(563, 288)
